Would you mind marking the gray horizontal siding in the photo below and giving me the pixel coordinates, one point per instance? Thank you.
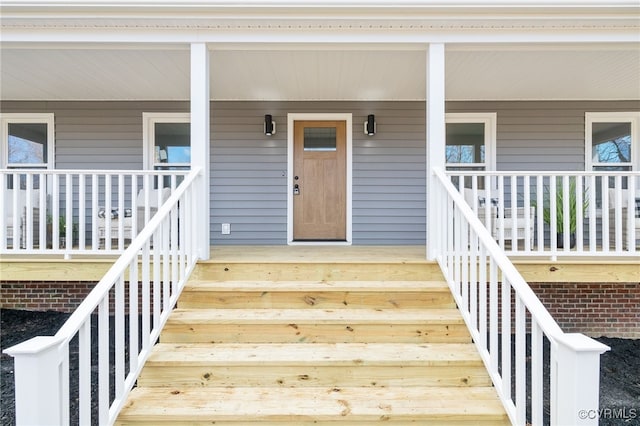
(248, 169)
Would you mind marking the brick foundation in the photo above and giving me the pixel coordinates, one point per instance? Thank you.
(595, 309)
(44, 296)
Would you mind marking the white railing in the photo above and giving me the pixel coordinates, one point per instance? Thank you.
(78, 211)
(503, 314)
(106, 346)
(527, 212)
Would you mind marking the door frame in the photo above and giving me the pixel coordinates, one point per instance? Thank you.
(291, 118)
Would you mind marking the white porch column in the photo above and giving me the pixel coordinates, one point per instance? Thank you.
(435, 137)
(200, 140)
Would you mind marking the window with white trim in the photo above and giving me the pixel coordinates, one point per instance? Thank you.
(27, 141)
(470, 141)
(612, 141)
(167, 141)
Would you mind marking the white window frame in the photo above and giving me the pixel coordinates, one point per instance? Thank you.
(632, 117)
(489, 119)
(149, 135)
(38, 118)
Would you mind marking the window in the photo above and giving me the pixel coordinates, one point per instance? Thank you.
(471, 140)
(167, 141)
(27, 141)
(612, 141)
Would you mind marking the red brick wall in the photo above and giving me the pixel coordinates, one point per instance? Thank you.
(595, 309)
(44, 296)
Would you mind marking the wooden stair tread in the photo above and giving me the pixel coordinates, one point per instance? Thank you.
(302, 286)
(323, 404)
(316, 354)
(315, 316)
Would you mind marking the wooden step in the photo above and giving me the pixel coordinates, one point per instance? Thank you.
(316, 405)
(316, 294)
(313, 364)
(337, 270)
(315, 326)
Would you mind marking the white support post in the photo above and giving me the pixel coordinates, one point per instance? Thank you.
(435, 139)
(575, 394)
(200, 139)
(39, 381)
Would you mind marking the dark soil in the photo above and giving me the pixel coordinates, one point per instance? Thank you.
(619, 374)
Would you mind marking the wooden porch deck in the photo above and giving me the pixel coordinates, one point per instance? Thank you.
(534, 269)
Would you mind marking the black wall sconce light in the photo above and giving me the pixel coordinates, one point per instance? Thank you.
(370, 125)
(269, 125)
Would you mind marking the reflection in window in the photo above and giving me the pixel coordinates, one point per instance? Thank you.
(465, 143)
(172, 145)
(320, 139)
(611, 146)
(27, 144)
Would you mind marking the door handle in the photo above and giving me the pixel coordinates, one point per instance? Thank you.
(296, 189)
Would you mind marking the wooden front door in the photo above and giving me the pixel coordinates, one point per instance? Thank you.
(319, 182)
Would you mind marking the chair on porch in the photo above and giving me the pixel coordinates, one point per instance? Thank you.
(155, 201)
(506, 222)
(634, 208)
(20, 211)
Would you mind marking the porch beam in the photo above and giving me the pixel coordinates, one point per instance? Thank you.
(435, 137)
(200, 140)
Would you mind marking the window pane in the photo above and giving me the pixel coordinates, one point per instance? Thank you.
(320, 139)
(173, 143)
(27, 143)
(611, 142)
(465, 143)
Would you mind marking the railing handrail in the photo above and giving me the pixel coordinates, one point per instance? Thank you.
(71, 326)
(539, 172)
(95, 171)
(519, 284)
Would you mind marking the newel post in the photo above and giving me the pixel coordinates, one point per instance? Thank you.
(40, 384)
(575, 394)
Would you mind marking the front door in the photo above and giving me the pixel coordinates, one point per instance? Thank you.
(320, 181)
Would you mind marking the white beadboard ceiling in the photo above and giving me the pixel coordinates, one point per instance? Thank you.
(472, 73)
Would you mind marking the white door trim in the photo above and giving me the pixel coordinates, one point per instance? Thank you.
(291, 118)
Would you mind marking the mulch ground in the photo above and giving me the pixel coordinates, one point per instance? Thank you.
(619, 373)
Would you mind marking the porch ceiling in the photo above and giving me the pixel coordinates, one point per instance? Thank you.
(363, 72)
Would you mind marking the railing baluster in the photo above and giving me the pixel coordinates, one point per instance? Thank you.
(520, 360)
(121, 207)
(493, 314)
(119, 337)
(107, 212)
(501, 211)
(553, 226)
(579, 214)
(3, 199)
(95, 244)
(68, 210)
(526, 208)
(482, 300)
(103, 360)
(537, 382)
(617, 208)
(84, 373)
(55, 207)
(506, 337)
(566, 214)
(593, 219)
(631, 214)
(82, 216)
(604, 185)
(28, 232)
(513, 181)
(540, 212)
